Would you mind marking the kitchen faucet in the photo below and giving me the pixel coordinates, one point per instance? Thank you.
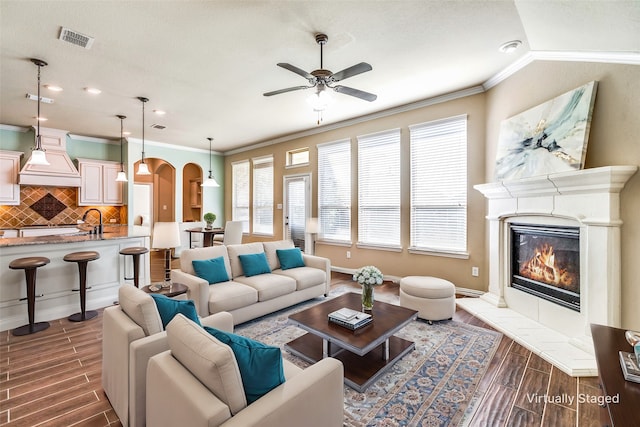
(98, 228)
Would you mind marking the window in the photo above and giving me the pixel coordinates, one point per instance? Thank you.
(379, 189)
(334, 191)
(298, 157)
(263, 195)
(240, 193)
(439, 185)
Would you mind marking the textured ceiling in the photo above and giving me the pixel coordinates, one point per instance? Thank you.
(207, 63)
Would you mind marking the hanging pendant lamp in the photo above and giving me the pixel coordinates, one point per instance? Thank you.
(211, 181)
(143, 169)
(122, 175)
(38, 156)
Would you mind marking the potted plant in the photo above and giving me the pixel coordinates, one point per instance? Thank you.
(209, 218)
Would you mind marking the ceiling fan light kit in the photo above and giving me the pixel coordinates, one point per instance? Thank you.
(322, 79)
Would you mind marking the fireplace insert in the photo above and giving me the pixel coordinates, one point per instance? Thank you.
(545, 262)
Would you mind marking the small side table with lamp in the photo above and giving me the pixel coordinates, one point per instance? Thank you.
(312, 227)
(166, 236)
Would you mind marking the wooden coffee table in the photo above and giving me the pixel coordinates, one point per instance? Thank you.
(366, 353)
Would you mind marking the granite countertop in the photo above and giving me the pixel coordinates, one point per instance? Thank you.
(110, 232)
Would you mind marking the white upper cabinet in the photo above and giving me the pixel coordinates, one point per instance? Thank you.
(9, 169)
(99, 185)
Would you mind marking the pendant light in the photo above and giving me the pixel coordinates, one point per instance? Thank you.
(38, 156)
(211, 181)
(122, 176)
(143, 169)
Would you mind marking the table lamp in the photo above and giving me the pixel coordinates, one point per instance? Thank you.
(312, 227)
(166, 235)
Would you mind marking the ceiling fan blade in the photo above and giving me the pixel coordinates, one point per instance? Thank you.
(354, 70)
(289, 89)
(356, 92)
(296, 70)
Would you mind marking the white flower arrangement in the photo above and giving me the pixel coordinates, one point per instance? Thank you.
(368, 275)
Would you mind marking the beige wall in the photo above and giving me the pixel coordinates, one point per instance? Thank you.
(393, 263)
(614, 140)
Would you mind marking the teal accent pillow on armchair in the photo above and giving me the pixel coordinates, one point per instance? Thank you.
(290, 258)
(254, 264)
(260, 365)
(168, 308)
(212, 270)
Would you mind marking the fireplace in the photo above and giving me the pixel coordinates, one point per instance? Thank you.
(545, 262)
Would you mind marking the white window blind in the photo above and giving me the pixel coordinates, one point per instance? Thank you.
(240, 193)
(263, 195)
(334, 190)
(439, 185)
(379, 189)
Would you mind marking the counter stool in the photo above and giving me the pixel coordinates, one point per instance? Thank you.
(30, 266)
(135, 251)
(82, 258)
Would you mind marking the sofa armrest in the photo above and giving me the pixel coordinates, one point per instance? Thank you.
(221, 320)
(321, 263)
(198, 290)
(313, 398)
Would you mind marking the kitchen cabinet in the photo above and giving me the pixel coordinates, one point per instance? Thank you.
(9, 169)
(98, 184)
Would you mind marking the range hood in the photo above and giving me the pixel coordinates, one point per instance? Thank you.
(60, 172)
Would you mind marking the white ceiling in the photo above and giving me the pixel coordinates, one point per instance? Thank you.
(207, 63)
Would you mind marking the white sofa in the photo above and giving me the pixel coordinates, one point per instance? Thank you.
(198, 383)
(131, 333)
(247, 298)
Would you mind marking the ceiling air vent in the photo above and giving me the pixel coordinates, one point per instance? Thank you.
(157, 126)
(76, 38)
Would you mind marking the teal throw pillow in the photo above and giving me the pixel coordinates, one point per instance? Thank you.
(260, 365)
(254, 264)
(290, 258)
(212, 270)
(168, 308)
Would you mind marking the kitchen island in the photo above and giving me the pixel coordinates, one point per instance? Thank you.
(57, 281)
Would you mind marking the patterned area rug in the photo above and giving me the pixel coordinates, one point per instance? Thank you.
(434, 385)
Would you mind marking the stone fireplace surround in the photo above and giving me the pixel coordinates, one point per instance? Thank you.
(588, 199)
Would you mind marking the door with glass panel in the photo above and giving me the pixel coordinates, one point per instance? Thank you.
(297, 209)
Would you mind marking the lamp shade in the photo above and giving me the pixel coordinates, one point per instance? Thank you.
(121, 177)
(210, 182)
(165, 235)
(38, 158)
(313, 226)
(143, 169)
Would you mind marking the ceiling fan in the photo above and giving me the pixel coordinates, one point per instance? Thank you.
(322, 79)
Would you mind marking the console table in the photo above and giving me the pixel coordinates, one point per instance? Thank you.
(607, 341)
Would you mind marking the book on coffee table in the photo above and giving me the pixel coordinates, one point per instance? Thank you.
(349, 318)
(629, 365)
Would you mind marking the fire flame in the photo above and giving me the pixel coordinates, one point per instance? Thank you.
(542, 267)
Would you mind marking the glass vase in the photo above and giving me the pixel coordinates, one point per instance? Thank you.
(367, 297)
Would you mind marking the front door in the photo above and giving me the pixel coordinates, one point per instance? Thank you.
(297, 209)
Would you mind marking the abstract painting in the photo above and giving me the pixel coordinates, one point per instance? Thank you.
(549, 138)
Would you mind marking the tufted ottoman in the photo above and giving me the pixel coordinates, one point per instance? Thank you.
(433, 298)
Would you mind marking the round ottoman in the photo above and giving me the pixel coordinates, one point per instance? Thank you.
(431, 297)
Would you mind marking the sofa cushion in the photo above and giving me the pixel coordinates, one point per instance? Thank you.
(269, 286)
(270, 249)
(140, 308)
(260, 364)
(210, 361)
(290, 258)
(305, 277)
(254, 264)
(243, 249)
(228, 296)
(212, 270)
(168, 308)
(188, 255)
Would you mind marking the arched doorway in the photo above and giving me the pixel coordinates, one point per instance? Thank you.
(163, 182)
(192, 193)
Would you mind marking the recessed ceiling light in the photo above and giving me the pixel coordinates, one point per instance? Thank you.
(93, 90)
(54, 88)
(160, 112)
(41, 119)
(126, 133)
(510, 47)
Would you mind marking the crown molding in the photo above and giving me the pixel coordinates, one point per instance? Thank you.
(172, 146)
(15, 128)
(93, 139)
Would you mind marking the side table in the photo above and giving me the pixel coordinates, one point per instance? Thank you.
(172, 291)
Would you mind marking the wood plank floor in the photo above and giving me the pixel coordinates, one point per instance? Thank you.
(52, 378)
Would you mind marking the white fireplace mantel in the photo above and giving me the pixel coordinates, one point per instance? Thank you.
(588, 199)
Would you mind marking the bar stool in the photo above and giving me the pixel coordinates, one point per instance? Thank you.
(30, 266)
(135, 251)
(82, 258)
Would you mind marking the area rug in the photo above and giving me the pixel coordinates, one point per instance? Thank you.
(434, 385)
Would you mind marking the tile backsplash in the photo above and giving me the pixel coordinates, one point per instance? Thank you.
(53, 206)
